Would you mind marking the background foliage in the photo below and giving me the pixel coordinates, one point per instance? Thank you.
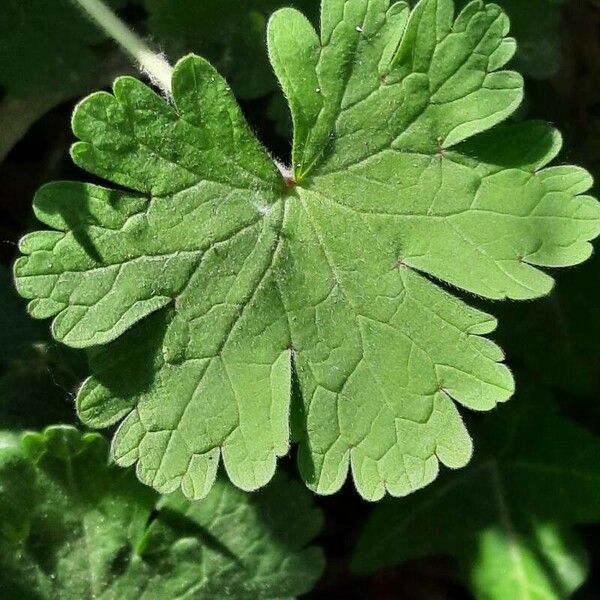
(548, 522)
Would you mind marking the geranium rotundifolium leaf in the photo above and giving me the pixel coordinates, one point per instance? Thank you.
(203, 286)
(535, 475)
(74, 526)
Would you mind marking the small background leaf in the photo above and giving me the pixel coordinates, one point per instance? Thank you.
(73, 526)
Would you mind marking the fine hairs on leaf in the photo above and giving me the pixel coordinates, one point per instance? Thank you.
(212, 282)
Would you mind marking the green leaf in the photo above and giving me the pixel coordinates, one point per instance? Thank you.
(225, 356)
(17, 116)
(541, 561)
(218, 274)
(507, 517)
(73, 526)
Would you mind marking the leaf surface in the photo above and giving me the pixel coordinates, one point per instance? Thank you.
(535, 475)
(217, 277)
(73, 526)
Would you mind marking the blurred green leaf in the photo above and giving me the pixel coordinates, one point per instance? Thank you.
(74, 526)
(49, 53)
(17, 116)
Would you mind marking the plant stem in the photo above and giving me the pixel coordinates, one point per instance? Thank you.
(151, 63)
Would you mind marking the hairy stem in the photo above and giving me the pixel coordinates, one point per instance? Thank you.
(151, 63)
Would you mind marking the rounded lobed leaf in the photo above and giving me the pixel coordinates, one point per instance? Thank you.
(217, 280)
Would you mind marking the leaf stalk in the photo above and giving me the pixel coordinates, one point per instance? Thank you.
(152, 64)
